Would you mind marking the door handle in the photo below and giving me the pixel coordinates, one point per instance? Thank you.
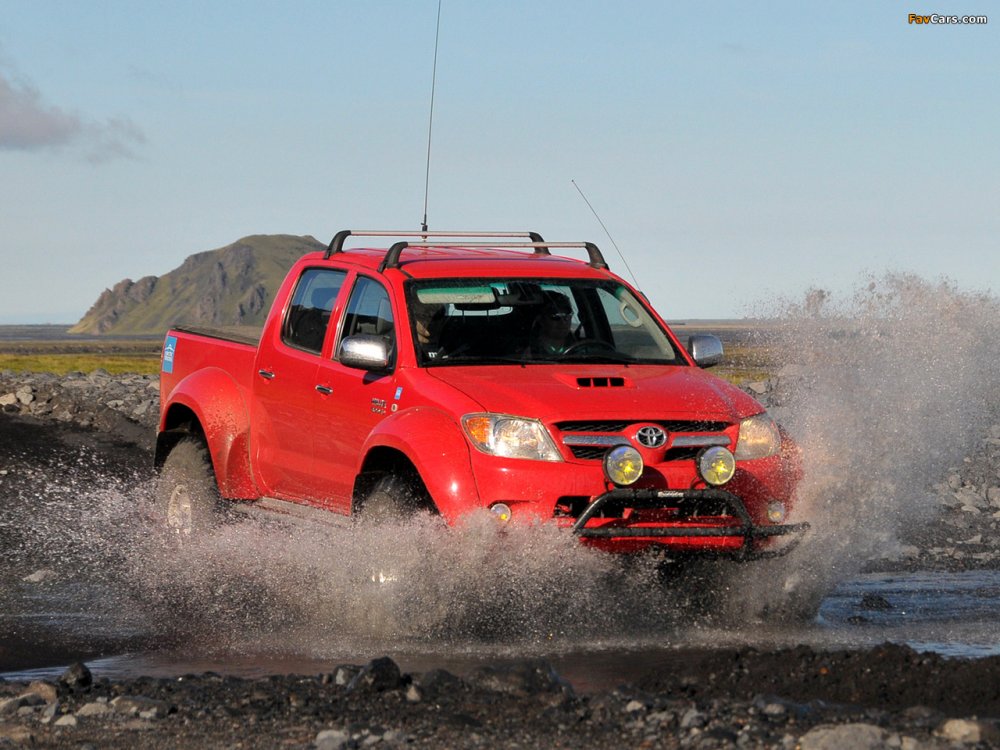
(266, 374)
(324, 389)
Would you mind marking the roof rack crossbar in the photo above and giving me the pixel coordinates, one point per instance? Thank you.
(391, 259)
(337, 243)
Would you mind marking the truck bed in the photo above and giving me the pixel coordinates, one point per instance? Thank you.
(205, 352)
(248, 335)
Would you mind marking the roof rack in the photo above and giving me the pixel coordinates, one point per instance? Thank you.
(391, 260)
(541, 248)
(337, 243)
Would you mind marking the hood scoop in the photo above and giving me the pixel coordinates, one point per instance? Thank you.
(595, 381)
(601, 382)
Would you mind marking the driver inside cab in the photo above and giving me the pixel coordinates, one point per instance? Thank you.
(428, 321)
(551, 332)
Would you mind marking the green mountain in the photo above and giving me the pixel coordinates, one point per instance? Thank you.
(230, 286)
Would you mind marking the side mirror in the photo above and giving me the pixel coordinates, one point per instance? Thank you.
(706, 350)
(365, 352)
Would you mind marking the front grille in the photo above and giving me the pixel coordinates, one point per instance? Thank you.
(596, 453)
(670, 425)
(589, 441)
(681, 454)
(603, 426)
(589, 452)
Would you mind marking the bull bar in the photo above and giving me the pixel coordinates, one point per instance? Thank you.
(690, 501)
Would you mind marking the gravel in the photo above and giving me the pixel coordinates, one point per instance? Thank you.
(716, 704)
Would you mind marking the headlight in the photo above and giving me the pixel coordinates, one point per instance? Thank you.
(716, 465)
(759, 438)
(510, 437)
(623, 465)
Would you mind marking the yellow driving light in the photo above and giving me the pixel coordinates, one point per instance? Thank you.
(716, 465)
(501, 511)
(622, 465)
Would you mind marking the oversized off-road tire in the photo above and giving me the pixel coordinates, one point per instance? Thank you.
(394, 496)
(187, 498)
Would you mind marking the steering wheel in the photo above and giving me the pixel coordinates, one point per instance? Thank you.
(589, 344)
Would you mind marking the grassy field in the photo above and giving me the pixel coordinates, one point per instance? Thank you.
(62, 357)
(61, 364)
(745, 363)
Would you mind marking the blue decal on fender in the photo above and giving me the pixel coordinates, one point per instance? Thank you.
(399, 392)
(169, 348)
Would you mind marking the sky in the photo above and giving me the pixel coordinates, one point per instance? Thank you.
(737, 153)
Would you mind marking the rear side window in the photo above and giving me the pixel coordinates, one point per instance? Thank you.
(309, 314)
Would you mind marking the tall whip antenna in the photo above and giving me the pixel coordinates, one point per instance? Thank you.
(430, 122)
(634, 280)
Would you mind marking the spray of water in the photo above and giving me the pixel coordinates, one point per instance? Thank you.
(405, 584)
(884, 392)
(257, 586)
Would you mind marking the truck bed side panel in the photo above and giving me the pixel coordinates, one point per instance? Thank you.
(211, 379)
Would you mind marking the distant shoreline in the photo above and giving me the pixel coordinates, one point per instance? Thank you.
(53, 332)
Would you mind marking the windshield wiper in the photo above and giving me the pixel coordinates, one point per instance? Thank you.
(478, 360)
(597, 357)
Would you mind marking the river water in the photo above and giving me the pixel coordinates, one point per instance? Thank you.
(955, 614)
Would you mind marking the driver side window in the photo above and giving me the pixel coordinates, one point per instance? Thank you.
(369, 312)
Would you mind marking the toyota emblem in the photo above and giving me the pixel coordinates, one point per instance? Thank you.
(651, 437)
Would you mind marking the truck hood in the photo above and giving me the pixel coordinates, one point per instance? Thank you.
(638, 392)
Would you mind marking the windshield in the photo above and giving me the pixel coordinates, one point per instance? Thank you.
(486, 321)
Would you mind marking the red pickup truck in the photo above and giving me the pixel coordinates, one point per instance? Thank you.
(455, 375)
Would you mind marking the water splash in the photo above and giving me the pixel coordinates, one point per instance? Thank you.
(250, 586)
(884, 392)
(413, 583)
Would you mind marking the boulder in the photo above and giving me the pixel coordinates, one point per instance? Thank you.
(969, 732)
(525, 678)
(854, 736)
(76, 676)
(378, 675)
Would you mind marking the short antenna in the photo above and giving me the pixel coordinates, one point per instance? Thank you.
(634, 280)
(430, 121)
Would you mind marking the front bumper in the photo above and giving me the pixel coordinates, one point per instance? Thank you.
(709, 521)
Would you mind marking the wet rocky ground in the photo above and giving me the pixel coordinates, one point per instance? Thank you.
(122, 406)
(890, 696)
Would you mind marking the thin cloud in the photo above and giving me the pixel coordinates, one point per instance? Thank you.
(28, 123)
(113, 139)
